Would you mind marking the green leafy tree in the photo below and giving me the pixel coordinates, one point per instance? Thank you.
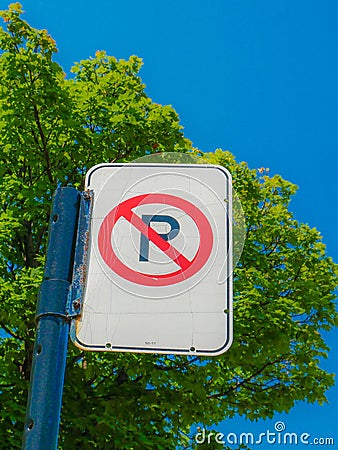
(52, 129)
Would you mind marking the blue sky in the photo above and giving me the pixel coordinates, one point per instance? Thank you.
(256, 77)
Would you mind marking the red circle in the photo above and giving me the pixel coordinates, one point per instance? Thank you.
(124, 209)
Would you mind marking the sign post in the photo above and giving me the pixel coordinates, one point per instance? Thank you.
(50, 350)
(140, 262)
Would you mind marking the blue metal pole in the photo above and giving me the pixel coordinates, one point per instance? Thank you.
(50, 350)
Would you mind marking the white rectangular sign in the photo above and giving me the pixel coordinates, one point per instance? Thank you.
(159, 275)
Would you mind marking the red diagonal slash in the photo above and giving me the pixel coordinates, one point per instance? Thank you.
(155, 238)
(186, 268)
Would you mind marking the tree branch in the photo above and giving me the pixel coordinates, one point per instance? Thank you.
(183, 365)
(246, 380)
(10, 332)
(44, 143)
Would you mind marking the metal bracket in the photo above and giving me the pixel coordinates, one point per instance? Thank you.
(59, 290)
(75, 296)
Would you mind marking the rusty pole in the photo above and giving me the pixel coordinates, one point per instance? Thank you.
(50, 350)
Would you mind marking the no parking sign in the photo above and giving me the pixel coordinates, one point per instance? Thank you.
(159, 274)
(186, 268)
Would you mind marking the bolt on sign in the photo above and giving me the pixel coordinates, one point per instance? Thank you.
(159, 270)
